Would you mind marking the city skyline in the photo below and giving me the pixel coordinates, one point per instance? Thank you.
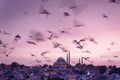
(44, 30)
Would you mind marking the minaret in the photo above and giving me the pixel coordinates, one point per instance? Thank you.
(69, 57)
(79, 60)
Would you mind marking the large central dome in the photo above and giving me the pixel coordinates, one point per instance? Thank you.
(60, 63)
(60, 59)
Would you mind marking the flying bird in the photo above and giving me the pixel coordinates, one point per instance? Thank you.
(114, 1)
(78, 43)
(38, 61)
(86, 58)
(30, 42)
(92, 40)
(87, 51)
(5, 33)
(56, 44)
(44, 1)
(77, 24)
(66, 14)
(63, 49)
(52, 35)
(42, 10)
(43, 53)
(26, 13)
(63, 31)
(112, 43)
(115, 56)
(17, 37)
(36, 36)
(105, 16)
(0, 31)
(32, 55)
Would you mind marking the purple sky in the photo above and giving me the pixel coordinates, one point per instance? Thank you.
(22, 16)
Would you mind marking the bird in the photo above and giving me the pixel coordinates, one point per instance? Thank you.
(30, 42)
(52, 35)
(73, 7)
(0, 31)
(87, 51)
(56, 44)
(113, 1)
(78, 43)
(92, 40)
(1, 42)
(26, 13)
(63, 31)
(86, 58)
(77, 24)
(42, 54)
(32, 55)
(63, 49)
(105, 16)
(112, 43)
(110, 60)
(37, 61)
(17, 37)
(115, 56)
(66, 14)
(5, 33)
(44, 1)
(36, 36)
(42, 10)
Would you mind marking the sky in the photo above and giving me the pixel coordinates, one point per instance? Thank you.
(98, 19)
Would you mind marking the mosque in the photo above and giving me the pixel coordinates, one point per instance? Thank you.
(61, 63)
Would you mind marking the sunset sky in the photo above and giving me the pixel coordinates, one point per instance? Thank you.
(100, 20)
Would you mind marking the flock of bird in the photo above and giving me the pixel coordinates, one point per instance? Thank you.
(35, 36)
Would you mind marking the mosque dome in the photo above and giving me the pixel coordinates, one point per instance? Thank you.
(60, 63)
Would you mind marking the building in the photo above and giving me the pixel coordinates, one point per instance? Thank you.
(60, 64)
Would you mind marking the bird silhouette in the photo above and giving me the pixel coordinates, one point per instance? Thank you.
(114, 1)
(6, 33)
(92, 40)
(115, 56)
(110, 60)
(32, 55)
(112, 43)
(43, 53)
(17, 37)
(30, 42)
(66, 14)
(37, 61)
(63, 49)
(1, 42)
(0, 31)
(42, 10)
(36, 36)
(78, 43)
(56, 44)
(105, 16)
(86, 58)
(26, 13)
(44, 1)
(87, 52)
(52, 35)
(76, 23)
(63, 31)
